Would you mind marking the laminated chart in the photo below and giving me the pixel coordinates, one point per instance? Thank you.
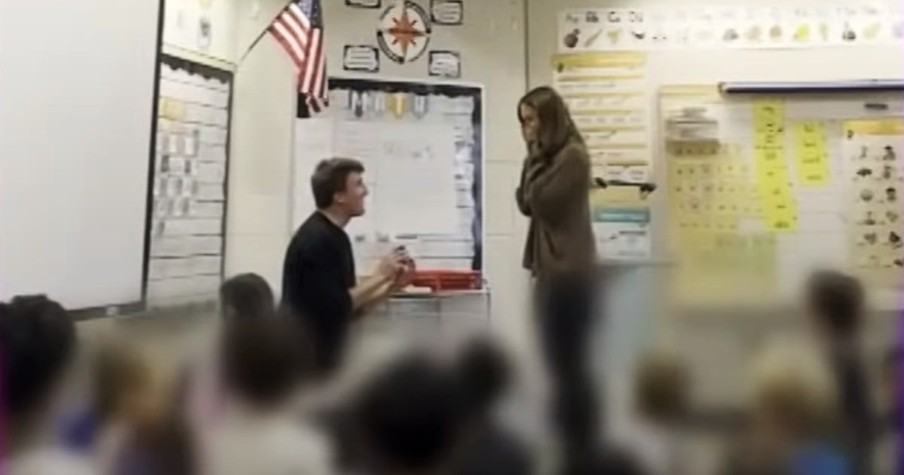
(874, 172)
(606, 95)
(189, 184)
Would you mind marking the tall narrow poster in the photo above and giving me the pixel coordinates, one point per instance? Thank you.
(607, 96)
(872, 152)
(189, 185)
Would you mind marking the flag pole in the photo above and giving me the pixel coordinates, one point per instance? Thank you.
(262, 34)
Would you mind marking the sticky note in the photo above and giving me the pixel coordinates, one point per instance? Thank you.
(768, 112)
(811, 153)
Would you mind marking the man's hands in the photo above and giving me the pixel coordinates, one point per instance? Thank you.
(397, 267)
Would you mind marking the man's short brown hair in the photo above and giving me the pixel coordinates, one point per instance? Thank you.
(330, 178)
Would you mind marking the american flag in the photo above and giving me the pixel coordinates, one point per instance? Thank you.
(299, 29)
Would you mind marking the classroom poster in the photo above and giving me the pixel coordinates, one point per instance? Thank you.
(739, 26)
(621, 223)
(724, 253)
(189, 189)
(872, 152)
(811, 153)
(607, 96)
(771, 164)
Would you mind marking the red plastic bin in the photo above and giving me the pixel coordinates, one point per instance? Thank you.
(440, 280)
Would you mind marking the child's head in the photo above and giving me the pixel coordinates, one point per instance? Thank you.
(793, 395)
(661, 387)
(245, 297)
(264, 361)
(410, 416)
(836, 302)
(123, 383)
(38, 340)
(483, 372)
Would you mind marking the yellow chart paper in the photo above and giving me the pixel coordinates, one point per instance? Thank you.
(811, 153)
(772, 177)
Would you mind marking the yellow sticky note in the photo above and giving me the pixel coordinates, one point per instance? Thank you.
(813, 175)
(769, 138)
(172, 109)
(769, 158)
(811, 153)
(780, 221)
(769, 180)
(768, 112)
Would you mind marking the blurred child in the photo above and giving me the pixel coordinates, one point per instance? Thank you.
(410, 418)
(483, 372)
(120, 385)
(38, 341)
(890, 457)
(792, 409)
(129, 426)
(661, 392)
(246, 296)
(836, 306)
(263, 367)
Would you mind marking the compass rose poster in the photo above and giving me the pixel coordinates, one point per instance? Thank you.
(404, 31)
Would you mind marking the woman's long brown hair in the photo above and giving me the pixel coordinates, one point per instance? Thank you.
(556, 128)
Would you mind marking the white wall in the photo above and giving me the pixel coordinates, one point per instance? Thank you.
(492, 45)
(181, 30)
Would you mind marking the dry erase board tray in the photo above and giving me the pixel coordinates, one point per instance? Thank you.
(442, 294)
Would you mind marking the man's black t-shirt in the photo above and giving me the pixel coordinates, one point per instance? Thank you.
(318, 272)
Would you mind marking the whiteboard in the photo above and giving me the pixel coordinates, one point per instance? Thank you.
(422, 148)
(77, 95)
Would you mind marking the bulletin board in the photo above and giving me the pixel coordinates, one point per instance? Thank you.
(188, 215)
(422, 148)
(762, 190)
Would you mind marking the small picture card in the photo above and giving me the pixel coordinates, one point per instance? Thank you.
(363, 58)
(363, 3)
(447, 12)
(445, 64)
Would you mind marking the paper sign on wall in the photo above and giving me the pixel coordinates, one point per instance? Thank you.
(447, 12)
(621, 223)
(362, 58)
(363, 3)
(445, 64)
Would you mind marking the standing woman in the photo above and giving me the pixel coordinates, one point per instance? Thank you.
(560, 254)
